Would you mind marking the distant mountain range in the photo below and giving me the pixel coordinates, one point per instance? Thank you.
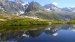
(52, 7)
(34, 9)
(65, 13)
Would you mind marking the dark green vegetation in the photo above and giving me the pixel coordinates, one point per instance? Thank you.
(8, 22)
(71, 22)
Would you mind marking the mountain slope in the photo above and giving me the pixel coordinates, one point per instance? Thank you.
(34, 6)
(12, 7)
(36, 10)
(52, 7)
(63, 13)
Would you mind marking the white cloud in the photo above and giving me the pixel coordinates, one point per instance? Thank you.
(55, 3)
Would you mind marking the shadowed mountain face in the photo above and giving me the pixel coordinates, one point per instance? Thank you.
(34, 6)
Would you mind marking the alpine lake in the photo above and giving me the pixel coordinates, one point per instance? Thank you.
(53, 33)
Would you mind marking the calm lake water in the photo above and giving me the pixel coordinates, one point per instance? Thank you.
(54, 33)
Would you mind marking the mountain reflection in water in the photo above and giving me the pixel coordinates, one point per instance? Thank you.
(54, 33)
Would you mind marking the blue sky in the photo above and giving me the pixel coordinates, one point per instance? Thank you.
(59, 3)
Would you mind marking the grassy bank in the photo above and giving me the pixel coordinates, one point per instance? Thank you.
(9, 22)
(12, 22)
(21, 24)
(71, 22)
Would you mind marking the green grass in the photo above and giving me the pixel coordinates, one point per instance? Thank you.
(20, 23)
(71, 22)
(13, 22)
